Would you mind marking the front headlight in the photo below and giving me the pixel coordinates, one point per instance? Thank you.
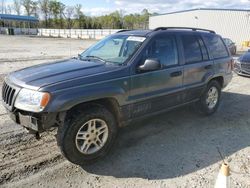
(32, 101)
(237, 61)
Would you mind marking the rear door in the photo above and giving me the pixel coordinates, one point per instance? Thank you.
(220, 54)
(197, 65)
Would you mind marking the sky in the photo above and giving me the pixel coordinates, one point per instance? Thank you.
(102, 7)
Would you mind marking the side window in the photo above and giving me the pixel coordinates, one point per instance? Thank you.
(192, 50)
(216, 46)
(203, 50)
(164, 49)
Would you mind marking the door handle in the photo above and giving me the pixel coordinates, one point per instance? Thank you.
(208, 67)
(175, 74)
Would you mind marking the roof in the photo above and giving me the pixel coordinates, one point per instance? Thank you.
(134, 32)
(148, 32)
(18, 18)
(215, 9)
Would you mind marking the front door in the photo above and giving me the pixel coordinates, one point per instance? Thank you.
(157, 90)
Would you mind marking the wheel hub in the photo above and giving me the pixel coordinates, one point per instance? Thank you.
(212, 97)
(92, 136)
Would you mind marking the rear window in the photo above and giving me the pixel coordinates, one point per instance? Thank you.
(216, 46)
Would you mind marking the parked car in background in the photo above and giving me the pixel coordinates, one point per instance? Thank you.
(231, 45)
(242, 64)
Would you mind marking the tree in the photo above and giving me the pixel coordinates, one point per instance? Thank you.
(35, 8)
(9, 9)
(78, 11)
(69, 14)
(29, 6)
(17, 6)
(54, 7)
(61, 14)
(3, 8)
(57, 11)
(144, 18)
(44, 7)
(129, 21)
(57, 15)
(80, 18)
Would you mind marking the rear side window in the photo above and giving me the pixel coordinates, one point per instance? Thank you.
(216, 46)
(203, 50)
(192, 49)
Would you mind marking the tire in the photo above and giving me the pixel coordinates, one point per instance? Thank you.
(79, 150)
(202, 105)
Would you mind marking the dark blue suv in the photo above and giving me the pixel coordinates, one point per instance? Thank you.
(126, 76)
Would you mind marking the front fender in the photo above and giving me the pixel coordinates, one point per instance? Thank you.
(66, 99)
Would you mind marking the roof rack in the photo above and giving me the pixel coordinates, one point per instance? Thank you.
(123, 30)
(191, 28)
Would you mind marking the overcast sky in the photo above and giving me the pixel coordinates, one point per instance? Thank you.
(100, 7)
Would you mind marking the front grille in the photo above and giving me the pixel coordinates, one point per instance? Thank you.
(245, 67)
(8, 94)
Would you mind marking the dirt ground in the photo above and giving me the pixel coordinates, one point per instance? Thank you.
(175, 149)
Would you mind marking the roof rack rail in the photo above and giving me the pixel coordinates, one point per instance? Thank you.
(191, 28)
(123, 30)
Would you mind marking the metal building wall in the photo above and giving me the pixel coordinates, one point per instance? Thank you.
(234, 24)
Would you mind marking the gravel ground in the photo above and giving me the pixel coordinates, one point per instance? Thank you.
(175, 149)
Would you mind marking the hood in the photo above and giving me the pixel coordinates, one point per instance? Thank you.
(245, 57)
(42, 75)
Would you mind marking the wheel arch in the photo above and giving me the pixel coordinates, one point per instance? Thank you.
(110, 103)
(219, 79)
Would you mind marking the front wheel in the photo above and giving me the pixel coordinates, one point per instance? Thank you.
(210, 99)
(88, 135)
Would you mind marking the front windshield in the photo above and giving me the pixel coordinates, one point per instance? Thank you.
(114, 49)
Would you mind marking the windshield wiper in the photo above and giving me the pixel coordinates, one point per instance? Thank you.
(93, 57)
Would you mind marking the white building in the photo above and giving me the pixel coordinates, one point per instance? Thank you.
(229, 23)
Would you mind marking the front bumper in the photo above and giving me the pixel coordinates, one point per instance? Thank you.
(35, 122)
(243, 71)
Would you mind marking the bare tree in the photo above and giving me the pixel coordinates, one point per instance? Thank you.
(79, 16)
(2, 6)
(69, 14)
(35, 8)
(17, 6)
(78, 11)
(9, 9)
(29, 6)
(61, 14)
(44, 7)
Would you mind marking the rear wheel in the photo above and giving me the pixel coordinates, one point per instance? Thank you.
(87, 135)
(210, 98)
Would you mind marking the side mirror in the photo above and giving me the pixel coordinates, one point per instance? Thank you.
(150, 65)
